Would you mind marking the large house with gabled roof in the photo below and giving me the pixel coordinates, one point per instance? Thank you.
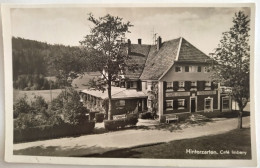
(174, 74)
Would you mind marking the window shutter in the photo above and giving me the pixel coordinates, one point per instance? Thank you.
(199, 85)
(139, 85)
(175, 85)
(164, 85)
(213, 86)
(175, 104)
(187, 85)
(203, 85)
(185, 103)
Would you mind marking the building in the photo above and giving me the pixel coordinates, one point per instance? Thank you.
(174, 78)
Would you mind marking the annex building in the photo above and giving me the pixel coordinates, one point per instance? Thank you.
(174, 78)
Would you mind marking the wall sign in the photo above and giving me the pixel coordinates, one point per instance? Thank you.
(174, 94)
(210, 92)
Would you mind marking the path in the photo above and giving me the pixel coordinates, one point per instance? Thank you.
(99, 143)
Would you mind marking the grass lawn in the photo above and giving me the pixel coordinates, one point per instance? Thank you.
(31, 93)
(235, 140)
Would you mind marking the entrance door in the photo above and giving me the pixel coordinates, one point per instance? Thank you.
(192, 105)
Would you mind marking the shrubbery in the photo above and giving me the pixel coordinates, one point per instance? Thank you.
(34, 82)
(99, 117)
(130, 120)
(146, 115)
(64, 116)
(55, 131)
(66, 108)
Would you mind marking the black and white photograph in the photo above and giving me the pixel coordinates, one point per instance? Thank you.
(130, 85)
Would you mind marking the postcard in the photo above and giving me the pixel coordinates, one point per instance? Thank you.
(130, 84)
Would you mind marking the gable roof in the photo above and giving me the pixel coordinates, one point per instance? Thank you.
(138, 56)
(177, 50)
(189, 53)
(160, 61)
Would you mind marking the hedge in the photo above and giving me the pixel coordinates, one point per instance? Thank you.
(49, 132)
(230, 114)
(99, 117)
(146, 115)
(130, 120)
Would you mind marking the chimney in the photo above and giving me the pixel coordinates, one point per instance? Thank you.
(129, 46)
(159, 43)
(139, 41)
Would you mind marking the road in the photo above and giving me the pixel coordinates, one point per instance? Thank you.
(100, 143)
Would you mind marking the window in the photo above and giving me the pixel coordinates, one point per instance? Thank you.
(207, 85)
(187, 69)
(208, 104)
(206, 69)
(178, 69)
(193, 86)
(225, 103)
(120, 103)
(193, 68)
(193, 83)
(199, 69)
(169, 104)
(181, 86)
(181, 103)
(169, 86)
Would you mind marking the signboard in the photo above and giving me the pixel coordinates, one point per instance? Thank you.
(174, 94)
(209, 92)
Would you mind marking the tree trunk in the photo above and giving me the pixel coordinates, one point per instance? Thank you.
(239, 125)
(110, 115)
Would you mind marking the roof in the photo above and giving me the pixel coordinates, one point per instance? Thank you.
(178, 50)
(160, 61)
(138, 56)
(117, 93)
(189, 53)
(83, 80)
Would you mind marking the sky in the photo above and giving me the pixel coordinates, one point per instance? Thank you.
(201, 26)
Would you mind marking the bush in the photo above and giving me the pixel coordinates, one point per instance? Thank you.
(130, 120)
(55, 131)
(146, 115)
(68, 105)
(184, 116)
(92, 115)
(99, 117)
(21, 106)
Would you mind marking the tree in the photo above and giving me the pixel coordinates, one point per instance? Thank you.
(67, 63)
(231, 61)
(105, 51)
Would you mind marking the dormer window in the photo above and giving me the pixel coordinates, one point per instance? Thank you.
(178, 69)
